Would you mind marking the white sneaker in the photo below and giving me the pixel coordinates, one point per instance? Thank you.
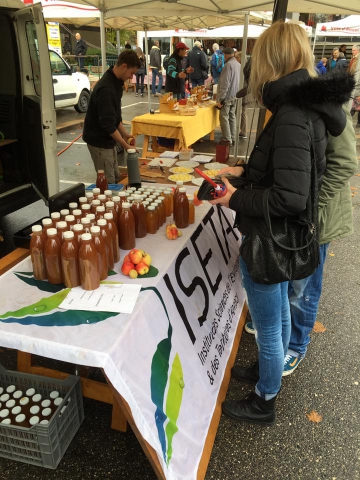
(136, 94)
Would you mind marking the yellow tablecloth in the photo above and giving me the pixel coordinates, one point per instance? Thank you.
(186, 129)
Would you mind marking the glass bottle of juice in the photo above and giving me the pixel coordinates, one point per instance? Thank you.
(37, 244)
(78, 230)
(114, 235)
(78, 215)
(110, 208)
(85, 222)
(70, 220)
(99, 243)
(64, 212)
(168, 202)
(55, 216)
(191, 209)
(92, 219)
(157, 212)
(139, 213)
(104, 231)
(72, 206)
(69, 260)
(47, 223)
(96, 191)
(176, 193)
(82, 201)
(116, 200)
(89, 196)
(61, 227)
(181, 209)
(108, 195)
(101, 181)
(161, 211)
(85, 209)
(52, 251)
(95, 203)
(88, 264)
(151, 220)
(163, 208)
(126, 228)
(100, 210)
(102, 198)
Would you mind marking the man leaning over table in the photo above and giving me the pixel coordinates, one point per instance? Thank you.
(103, 127)
(226, 94)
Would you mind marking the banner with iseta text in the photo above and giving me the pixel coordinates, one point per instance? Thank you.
(167, 359)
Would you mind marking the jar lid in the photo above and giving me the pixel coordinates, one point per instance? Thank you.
(131, 150)
(16, 410)
(54, 394)
(109, 204)
(36, 398)
(161, 198)
(6, 421)
(4, 413)
(24, 401)
(101, 222)
(90, 216)
(85, 221)
(30, 392)
(84, 199)
(96, 191)
(18, 394)
(126, 205)
(150, 207)
(5, 397)
(95, 229)
(36, 228)
(73, 205)
(46, 403)
(58, 401)
(10, 403)
(34, 420)
(108, 216)
(69, 218)
(46, 412)
(78, 227)
(20, 418)
(34, 409)
(102, 197)
(100, 171)
(182, 189)
(89, 194)
(55, 215)
(86, 236)
(62, 224)
(79, 212)
(100, 208)
(52, 232)
(122, 194)
(44, 422)
(46, 221)
(86, 206)
(96, 202)
(68, 234)
(116, 198)
(64, 212)
(107, 192)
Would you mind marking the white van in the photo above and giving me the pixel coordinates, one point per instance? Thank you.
(71, 89)
(28, 161)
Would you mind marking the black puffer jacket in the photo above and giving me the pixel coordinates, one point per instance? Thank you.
(287, 136)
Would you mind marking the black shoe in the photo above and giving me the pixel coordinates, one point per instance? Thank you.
(252, 408)
(246, 374)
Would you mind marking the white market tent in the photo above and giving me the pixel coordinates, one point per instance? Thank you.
(346, 27)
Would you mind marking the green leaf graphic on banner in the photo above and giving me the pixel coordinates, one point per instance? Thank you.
(173, 402)
(44, 305)
(43, 285)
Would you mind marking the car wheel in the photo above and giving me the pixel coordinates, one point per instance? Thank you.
(83, 102)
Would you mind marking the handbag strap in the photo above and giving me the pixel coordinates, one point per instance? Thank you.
(311, 204)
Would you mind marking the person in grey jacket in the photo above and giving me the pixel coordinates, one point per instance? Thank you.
(227, 88)
(197, 59)
(155, 65)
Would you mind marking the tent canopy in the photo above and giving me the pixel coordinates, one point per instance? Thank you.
(346, 27)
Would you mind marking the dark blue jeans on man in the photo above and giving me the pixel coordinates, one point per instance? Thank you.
(156, 73)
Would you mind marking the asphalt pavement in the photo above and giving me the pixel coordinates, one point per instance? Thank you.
(295, 448)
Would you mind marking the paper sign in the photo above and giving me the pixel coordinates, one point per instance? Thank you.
(119, 298)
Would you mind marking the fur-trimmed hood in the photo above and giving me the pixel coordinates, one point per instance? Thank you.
(325, 94)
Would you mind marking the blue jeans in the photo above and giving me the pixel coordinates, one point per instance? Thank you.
(140, 81)
(156, 73)
(197, 81)
(304, 296)
(216, 80)
(270, 313)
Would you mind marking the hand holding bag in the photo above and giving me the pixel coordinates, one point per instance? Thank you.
(280, 249)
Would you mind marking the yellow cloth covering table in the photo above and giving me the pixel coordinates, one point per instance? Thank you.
(186, 130)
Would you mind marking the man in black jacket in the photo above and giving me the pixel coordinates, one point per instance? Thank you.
(197, 59)
(103, 127)
(80, 50)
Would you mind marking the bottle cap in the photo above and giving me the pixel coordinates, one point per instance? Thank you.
(58, 401)
(90, 216)
(182, 189)
(44, 422)
(108, 216)
(46, 403)
(123, 194)
(100, 208)
(102, 197)
(137, 197)
(89, 194)
(68, 235)
(52, 232)
(109, 204)
(78, 227)
(11, 389)
(34, 420)
(85, 206)
(73, 205)
(46, 221)
(1, 390)
(151, 208)
(36, 398)
(100, 171)
(96, 191)
(64, 212)
(101, 222)
(55, 215)
(84, 199)
(86, 236)
(79, 212)
(116, 198)
(107, 193)
(46, 412)
(131, 150)
(36, 228)
(20, 418)
(16, 410)
(161, 198)
(10, 403)
(4, 397)
(30, 392)
(69, 218)
(34, 409)
(126, 205)
(6, 421)
(54, 394)
(96, 202)
(179, 182)
(62, 224)
(85, 221)
(4, 413)
(95, 229)
(154, 204)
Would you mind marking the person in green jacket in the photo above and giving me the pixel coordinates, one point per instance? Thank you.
(335, 222)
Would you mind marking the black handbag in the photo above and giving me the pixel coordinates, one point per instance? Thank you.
(280, 249)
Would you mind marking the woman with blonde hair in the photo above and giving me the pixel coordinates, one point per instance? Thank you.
(140, 74)
(277, 177)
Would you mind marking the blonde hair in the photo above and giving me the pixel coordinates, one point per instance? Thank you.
(282, 49)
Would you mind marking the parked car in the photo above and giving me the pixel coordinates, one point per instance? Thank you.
(71, 89)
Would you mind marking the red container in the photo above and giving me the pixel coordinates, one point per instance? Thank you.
(222, 151)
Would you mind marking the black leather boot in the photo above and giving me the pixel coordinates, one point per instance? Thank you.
(246, 374)
(251, 409)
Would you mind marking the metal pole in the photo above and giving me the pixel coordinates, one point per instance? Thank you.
(239, 100)
(147, 68)
(102, 41)
(118, 41)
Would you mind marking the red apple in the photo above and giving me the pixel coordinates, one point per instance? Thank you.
(142, 268)
(135, 256)
(126, 267)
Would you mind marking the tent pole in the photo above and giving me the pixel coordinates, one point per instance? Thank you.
(118, 41)
(147, 67)
(323, 52)
(239, 100)
(102, 41)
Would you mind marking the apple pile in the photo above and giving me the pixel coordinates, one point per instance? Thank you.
(172, 232)
(136, 262)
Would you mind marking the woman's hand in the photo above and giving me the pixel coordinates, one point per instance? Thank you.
(236, 171)
(224, 201)
(189, 70)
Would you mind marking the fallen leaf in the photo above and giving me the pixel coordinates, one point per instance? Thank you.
(314, 417)
(319, 327)
(78, 163)
(331, 254)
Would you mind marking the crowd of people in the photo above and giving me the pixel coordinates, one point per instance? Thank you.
(297, 177)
